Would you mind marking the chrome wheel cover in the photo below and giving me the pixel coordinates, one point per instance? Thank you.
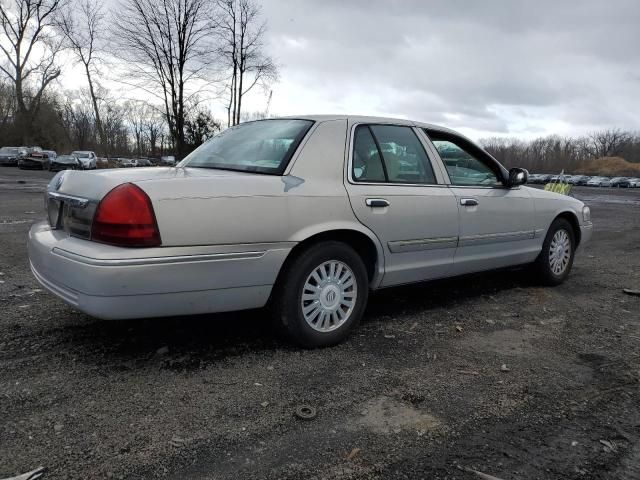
(329, 296)
(560, 252)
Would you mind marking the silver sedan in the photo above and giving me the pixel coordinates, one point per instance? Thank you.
(306, 214)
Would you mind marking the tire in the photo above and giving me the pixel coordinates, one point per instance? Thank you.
(554, 269)
(333, 319)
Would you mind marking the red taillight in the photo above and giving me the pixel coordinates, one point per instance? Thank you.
(125, 218)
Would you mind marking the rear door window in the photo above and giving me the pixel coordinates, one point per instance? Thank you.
(391, 154)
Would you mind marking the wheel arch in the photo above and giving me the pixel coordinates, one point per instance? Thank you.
(572, 218)
(365, 243)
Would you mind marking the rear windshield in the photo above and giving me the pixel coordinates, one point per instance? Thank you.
(9, 150)
(264, 146)
(80, 154)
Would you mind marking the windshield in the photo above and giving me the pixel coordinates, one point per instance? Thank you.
(81, 154)
(264, 146)
(12, 151)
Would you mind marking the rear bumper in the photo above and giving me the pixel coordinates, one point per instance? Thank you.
(116, 283)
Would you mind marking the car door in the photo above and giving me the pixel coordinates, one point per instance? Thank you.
(497, 224)
(395, 191)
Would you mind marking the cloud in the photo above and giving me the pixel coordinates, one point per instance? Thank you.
(490, 67)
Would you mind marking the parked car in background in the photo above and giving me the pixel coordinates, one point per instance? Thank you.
(127, 162)
(308, 213)
(65, 162)
(87, 158)
(535, 178)
(597, 181)
(606, 182)
(168, 160)
(143, 162)
(579, 179)
(9, 156)
(51, 154)
(615, 181)
(630, 182)
(37, 160)
(545, 178)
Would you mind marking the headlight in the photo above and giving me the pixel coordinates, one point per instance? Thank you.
(586, 214)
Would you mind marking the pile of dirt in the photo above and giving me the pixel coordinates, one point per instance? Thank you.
(610, 167)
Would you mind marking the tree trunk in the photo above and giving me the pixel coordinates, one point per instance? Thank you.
(96, 111)
(240, 75)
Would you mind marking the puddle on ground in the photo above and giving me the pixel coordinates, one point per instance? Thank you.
(386, 415)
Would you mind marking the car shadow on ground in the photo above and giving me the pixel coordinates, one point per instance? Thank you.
(195, 341)
(419, 297)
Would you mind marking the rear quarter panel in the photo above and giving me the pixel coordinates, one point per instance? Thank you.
(243, 209)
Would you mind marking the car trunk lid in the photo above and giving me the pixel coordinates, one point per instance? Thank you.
(72, 197)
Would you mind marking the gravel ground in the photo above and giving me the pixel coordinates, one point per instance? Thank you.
(489, 373)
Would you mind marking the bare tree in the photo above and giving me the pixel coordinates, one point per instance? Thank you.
(82, 25)
(136, 112)
(153, 127)
(29, 48)
(78, 119)
(608, 143)
(167, 42)
(113, 122)
(241, 49)
(7, 104)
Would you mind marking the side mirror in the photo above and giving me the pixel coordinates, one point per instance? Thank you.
(517, 176)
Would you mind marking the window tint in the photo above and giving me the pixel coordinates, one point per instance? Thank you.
(367, 165)
(263, 146)
(463, 167)
(390, 153)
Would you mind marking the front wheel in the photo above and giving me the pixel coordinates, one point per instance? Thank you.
(558, 250)
(322, 295)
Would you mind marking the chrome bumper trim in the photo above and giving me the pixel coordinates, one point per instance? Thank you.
(123, 262)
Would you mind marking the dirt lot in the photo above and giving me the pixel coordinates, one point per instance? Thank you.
(419, 391)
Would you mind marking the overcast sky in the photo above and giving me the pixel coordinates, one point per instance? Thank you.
(484, 67)
(487, 67)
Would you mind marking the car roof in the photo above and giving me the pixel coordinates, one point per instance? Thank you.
(371, 119)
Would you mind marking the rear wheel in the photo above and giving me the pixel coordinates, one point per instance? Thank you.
(322, 295)
(556, 259)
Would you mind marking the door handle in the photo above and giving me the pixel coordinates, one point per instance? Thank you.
(468, 202)
(377, 202)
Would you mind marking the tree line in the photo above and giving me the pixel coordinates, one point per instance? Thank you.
(554, 153)
(179, 53)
